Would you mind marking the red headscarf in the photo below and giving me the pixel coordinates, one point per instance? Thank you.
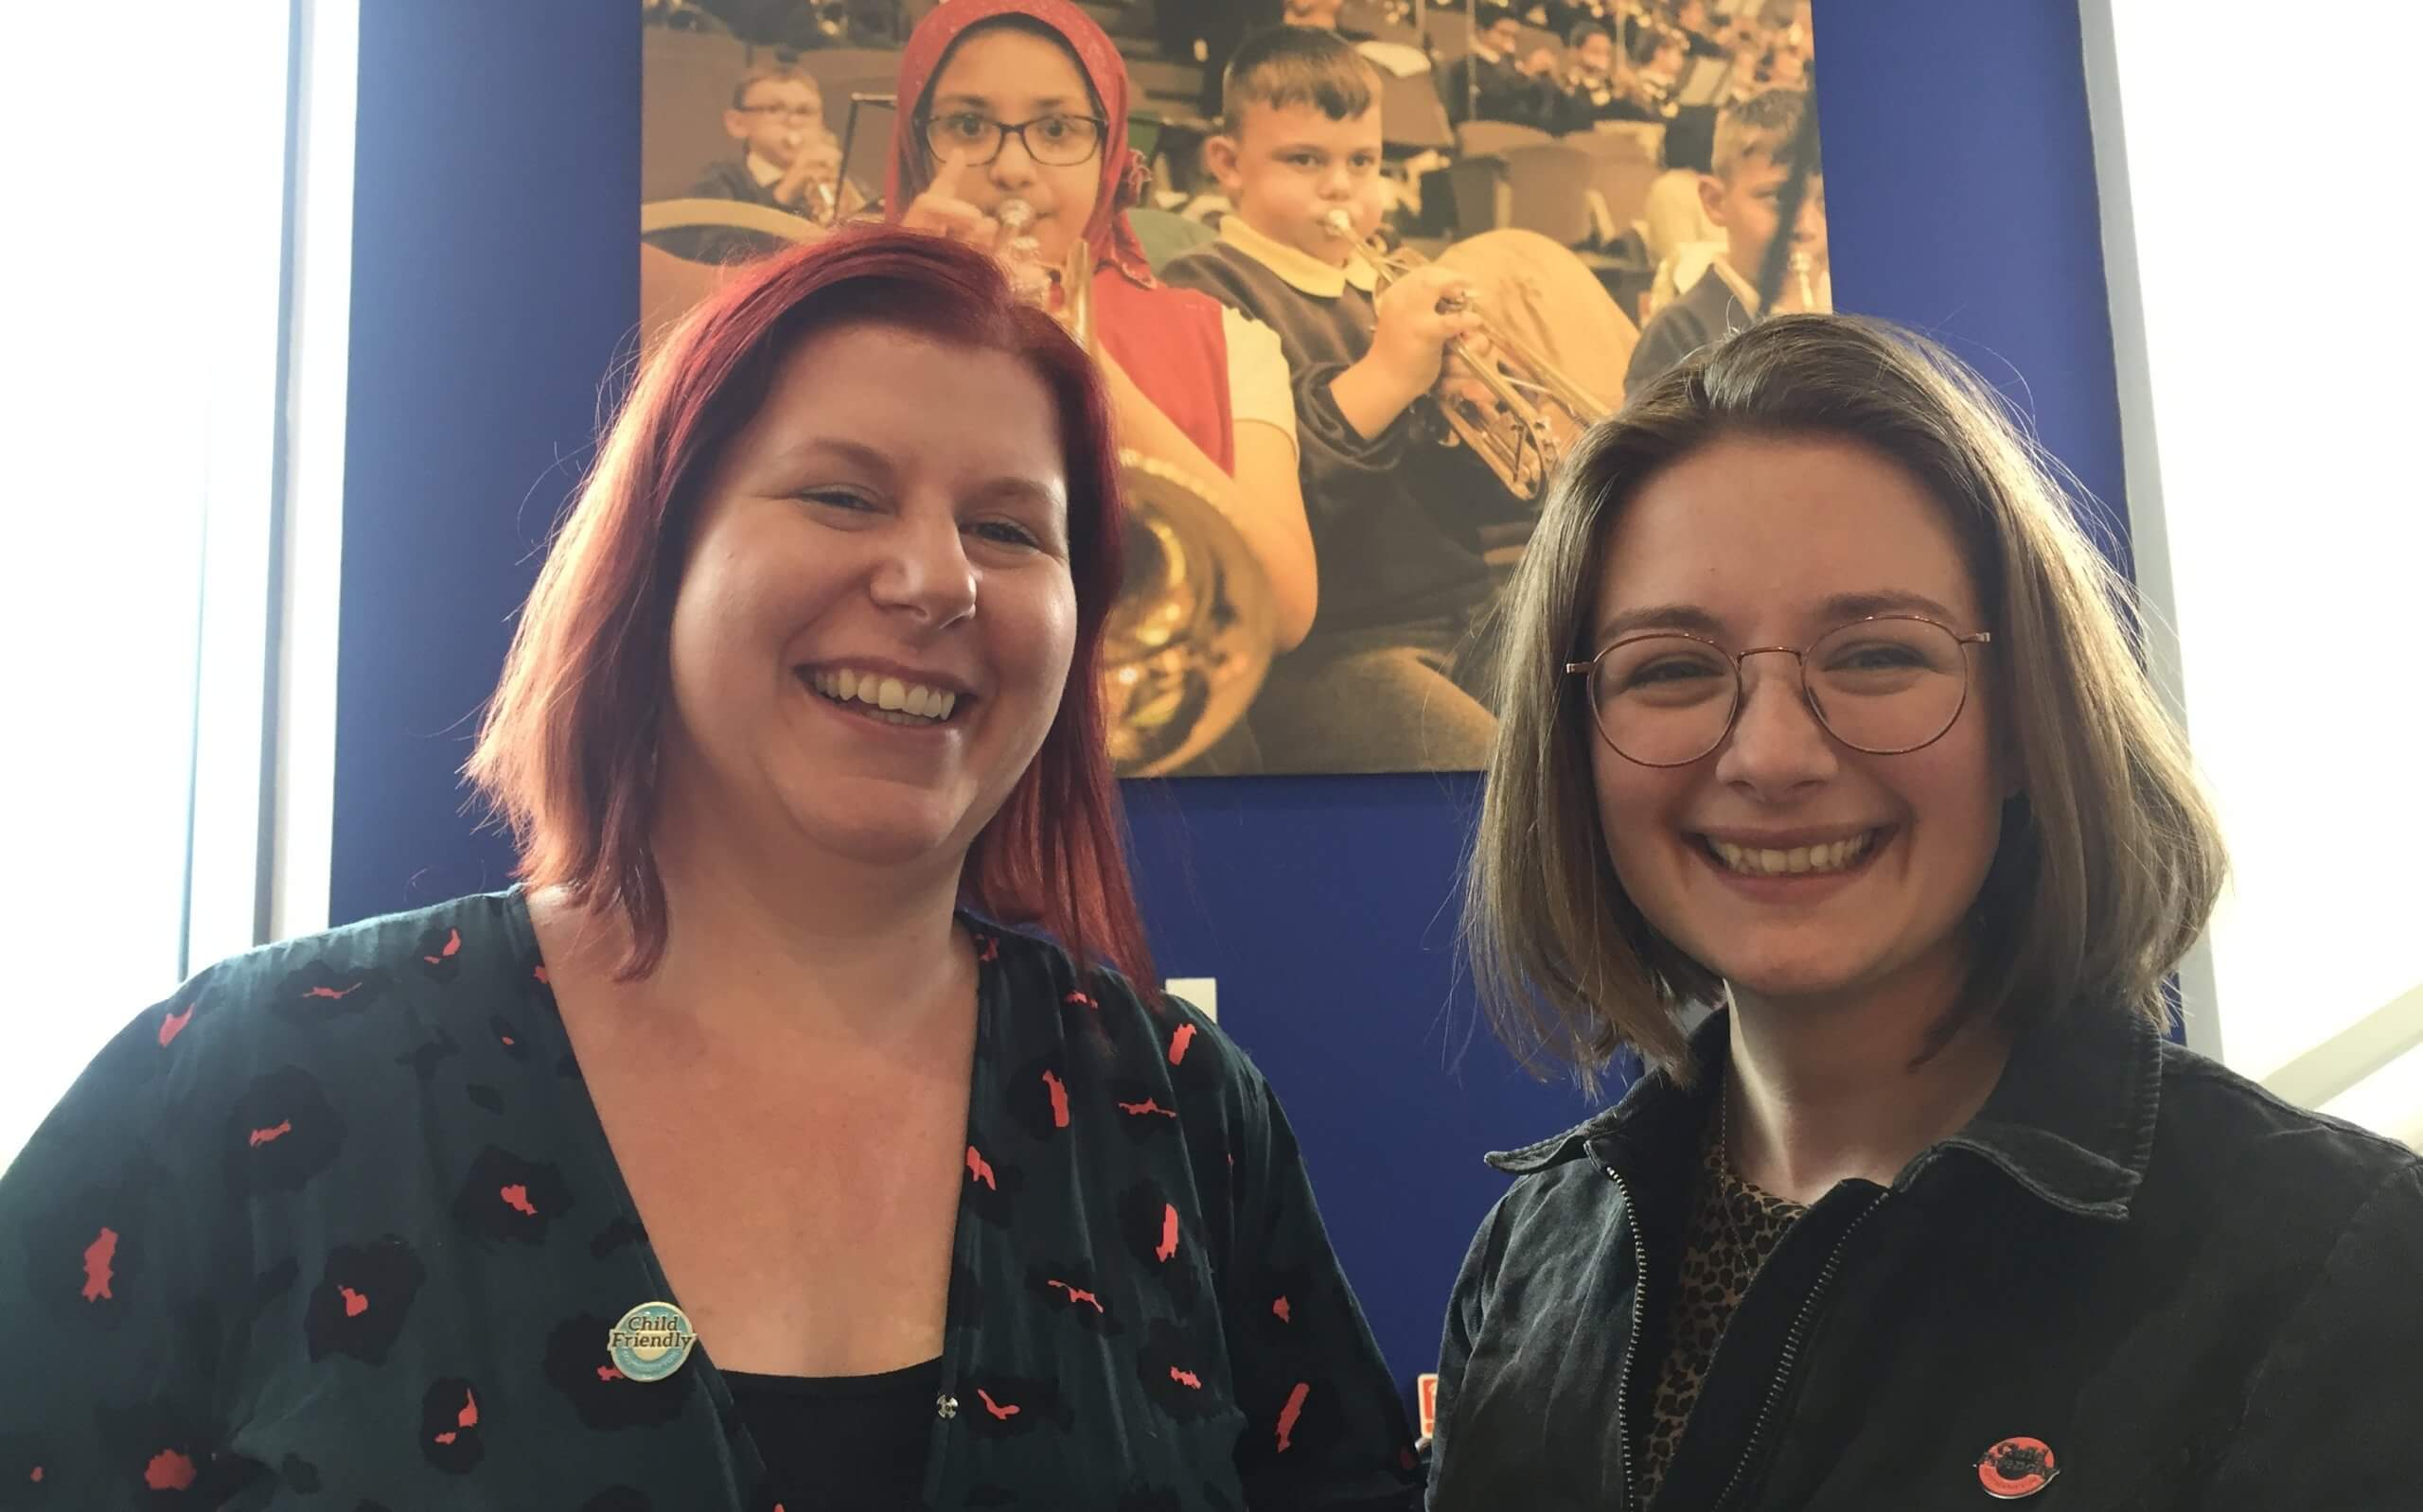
(1124, 171)
(1170, 340)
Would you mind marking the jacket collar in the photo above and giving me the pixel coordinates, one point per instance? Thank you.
(2071, 1121)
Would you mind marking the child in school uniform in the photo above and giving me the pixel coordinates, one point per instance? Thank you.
(1394, 518)
(1740, 195)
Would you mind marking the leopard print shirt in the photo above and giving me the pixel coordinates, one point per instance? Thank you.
(1734, 1227)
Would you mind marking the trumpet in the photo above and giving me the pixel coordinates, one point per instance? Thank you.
(1535, 412)
(1192, 635)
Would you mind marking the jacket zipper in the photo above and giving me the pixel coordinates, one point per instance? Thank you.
(1792, 1351)
(1632, 1343)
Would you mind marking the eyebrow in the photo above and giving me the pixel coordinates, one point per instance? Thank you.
(1046, 102)
(1840, 608)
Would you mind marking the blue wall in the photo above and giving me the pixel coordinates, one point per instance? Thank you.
(494, 281)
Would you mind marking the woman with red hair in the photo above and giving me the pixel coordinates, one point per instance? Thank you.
(803, 1130)
(1026, 102)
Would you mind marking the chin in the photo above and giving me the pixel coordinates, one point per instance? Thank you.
(874, 843)
(1784, 974)
(882, 830)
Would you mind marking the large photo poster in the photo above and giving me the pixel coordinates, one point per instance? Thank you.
(1357, 274)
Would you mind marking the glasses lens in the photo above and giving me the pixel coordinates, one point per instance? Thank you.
(964, 134)
(1062, 141)
(1662, 699)
(1887, 685)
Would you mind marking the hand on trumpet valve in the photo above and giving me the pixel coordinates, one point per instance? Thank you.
(1416, 317)
(815, 171)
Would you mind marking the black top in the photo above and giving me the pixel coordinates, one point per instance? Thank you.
(1706, 313)
(338, 1219)
(841, 1441)
(2132, 1273)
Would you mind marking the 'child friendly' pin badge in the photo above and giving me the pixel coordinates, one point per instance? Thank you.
(651, 1341)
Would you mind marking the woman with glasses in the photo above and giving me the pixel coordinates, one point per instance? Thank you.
(1025, 102)
(1822, 727)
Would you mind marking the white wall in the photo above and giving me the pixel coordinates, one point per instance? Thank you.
(2265, 283)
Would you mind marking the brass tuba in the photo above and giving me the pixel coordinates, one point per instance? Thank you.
(1534, 412)
(1191, 637)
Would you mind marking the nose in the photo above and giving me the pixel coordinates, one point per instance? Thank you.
(1011, 166)
(1336, 182)
(1777, 745)
(922, 570)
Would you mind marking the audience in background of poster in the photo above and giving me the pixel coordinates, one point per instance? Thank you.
(1585, 196)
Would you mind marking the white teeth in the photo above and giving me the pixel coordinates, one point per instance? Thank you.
(906, 703)
(1758, 862)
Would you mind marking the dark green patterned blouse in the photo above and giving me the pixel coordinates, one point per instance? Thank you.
(336, 1226)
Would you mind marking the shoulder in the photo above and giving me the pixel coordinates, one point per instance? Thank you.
(2222, 1129)
(321, 1011)
(1145, 1058)
(1250, 337)
(1160, 299)
(1214, 265)
(726, 179)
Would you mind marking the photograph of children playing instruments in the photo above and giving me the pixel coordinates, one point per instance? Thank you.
(1358, 272)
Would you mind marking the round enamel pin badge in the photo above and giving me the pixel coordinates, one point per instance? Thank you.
(651, 1341)
(2017, 1468)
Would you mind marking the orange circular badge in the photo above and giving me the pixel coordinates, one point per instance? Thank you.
(2017, 1468)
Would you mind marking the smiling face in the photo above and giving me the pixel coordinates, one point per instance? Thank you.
(875, 619)
(1795, 867)
(1010, 73)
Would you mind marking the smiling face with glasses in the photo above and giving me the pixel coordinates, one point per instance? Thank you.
(1783, 691)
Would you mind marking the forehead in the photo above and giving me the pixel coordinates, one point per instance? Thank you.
(783, 92)
(879, 386)
(1010, 64)
(1305, 122)
(1761, 531)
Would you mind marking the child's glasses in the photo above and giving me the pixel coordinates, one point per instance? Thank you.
(1056, 141)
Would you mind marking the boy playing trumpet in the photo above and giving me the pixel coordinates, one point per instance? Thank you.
(1394, 518)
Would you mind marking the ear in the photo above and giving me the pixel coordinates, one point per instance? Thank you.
(736, 126)
(1221, 156)
(1712, 198)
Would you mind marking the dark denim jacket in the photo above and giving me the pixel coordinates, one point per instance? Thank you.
(2134, 1271)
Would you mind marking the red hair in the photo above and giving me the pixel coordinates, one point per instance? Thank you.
(567, 752)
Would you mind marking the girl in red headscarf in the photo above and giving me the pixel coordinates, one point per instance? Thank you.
(1027, 100)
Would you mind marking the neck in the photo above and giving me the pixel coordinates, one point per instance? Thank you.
(768, 939)
(1822, 1093)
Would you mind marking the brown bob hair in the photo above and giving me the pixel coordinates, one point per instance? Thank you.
(2110, 857)
(567, 752)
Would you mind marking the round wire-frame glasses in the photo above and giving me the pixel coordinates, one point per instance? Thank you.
(1898, 682)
